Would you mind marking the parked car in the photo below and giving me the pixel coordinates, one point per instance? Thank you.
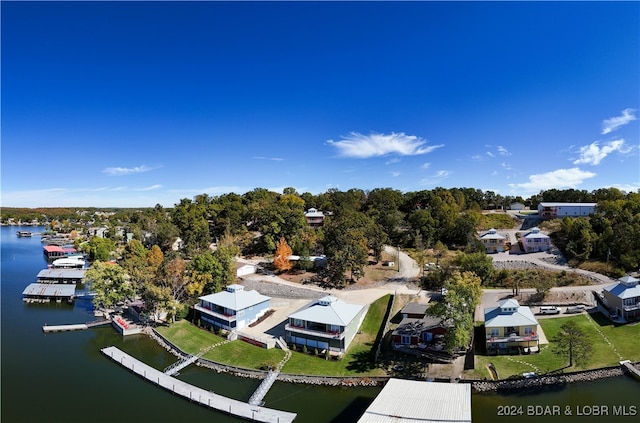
(549, 310)
(575, 309)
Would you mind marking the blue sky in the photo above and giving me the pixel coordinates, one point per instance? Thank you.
(121, 104)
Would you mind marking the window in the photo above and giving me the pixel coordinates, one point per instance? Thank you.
(495, 331)
(406, 340)
(528, 331)
(298, 323)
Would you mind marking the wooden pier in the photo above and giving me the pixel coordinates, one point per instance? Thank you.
(199, 395)
(79, 326)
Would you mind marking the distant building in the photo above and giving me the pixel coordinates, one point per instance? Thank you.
(493, 241)
(325, 324)
(315, 218)
(559, 210)
(414, 310)
(535, 241)
(623, 298)
(233, 308)
(510, 328)
(405, 401)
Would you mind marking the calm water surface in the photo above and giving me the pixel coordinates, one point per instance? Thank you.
(64, 377)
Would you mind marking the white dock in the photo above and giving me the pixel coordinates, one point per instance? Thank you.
(199, 395)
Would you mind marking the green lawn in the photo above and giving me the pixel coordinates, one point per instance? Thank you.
(357, 361)
(625, 344)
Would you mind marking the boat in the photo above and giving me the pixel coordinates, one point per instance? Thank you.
(23, 234)
(71, 262)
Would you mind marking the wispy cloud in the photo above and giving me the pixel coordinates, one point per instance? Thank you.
(435, 178)
(503, 151)
(425, 166)
(276, 159)
(490, 154)
(560, 178)
(611, 124)
(361, 146)
(150, 188)
(505, 166)
(119, 171)
(593, 153)
(395, 174)
(393, 160)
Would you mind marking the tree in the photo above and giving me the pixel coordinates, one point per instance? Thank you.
(110, 284)
(572, 341)
(281, 259)
(457, 308)
(478, 263)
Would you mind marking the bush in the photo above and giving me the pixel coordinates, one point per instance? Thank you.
(304, 349)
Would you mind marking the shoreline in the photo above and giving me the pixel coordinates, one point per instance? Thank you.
(477, 386)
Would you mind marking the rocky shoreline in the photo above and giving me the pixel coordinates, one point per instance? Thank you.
(477, 386)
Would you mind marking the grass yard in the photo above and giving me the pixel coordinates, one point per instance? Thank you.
(188, 337)
(610, 345)
(357, 362)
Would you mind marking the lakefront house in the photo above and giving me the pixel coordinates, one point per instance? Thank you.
(510, 328)
(623, 298)
(325, 324)
(233, 308)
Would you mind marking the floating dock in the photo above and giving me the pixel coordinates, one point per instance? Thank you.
(199, 395)
(78, 326)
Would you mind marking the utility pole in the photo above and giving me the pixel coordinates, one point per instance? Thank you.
(398, 259)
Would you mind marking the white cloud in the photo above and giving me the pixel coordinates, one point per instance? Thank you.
(361, 146)
(490, 154)
(436, 177)
(611, 124)
(560, 178)
(503, 151)
(150, 188)
(395, 174)
(593, 154)
(425, 166)
(477, 157)
(505, 166)
(276, 159)
(119, 171)
(393, 160)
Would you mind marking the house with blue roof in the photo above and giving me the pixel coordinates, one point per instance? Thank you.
(325, 324)
(510, 328)
(233, 308)
(623, 298)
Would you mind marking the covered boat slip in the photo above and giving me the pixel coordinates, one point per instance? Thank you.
(44, 292)
(61, 276)
(199, 395)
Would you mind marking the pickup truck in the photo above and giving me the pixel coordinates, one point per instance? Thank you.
(575, 309)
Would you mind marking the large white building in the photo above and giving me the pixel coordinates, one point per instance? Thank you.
(559, 210)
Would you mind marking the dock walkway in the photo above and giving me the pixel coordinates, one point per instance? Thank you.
(261, 392)
(199, 395)
(79, 326)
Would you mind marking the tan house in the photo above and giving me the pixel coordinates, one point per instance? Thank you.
(494, 242)
(510, 328)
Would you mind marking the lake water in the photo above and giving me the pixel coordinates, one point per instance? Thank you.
(64, 377)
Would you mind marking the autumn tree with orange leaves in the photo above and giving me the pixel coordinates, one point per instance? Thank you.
(281, 260)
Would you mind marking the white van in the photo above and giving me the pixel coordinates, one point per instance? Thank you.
(549, 310)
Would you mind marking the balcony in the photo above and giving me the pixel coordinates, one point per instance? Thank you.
(305, 331)
(514, 337)
(226, 317)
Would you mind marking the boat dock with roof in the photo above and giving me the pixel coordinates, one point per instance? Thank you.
(199, 395)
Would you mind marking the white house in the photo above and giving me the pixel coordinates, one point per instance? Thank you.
(535, 241)
(233, 308)
(327, 323)
(554, 210)
(315, 218)
(510, 327)
(623, 298)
